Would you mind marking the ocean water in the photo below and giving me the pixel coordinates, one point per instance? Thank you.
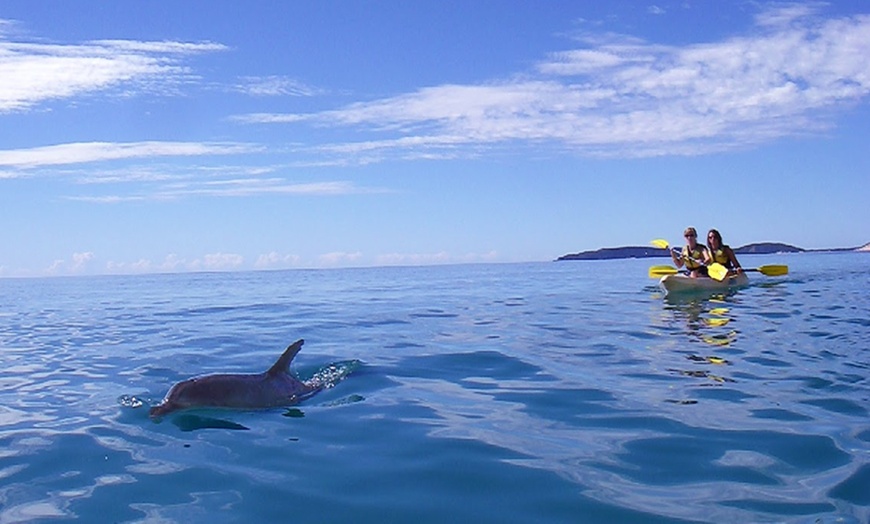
(546, 392)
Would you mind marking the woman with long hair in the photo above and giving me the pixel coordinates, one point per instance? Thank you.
(721, 253)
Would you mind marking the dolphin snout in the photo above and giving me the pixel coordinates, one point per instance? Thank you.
(160, 409)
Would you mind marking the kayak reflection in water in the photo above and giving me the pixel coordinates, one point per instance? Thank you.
(694, 255)
(721, 253)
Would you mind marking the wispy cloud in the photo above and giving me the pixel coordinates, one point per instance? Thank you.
(79, 264)
(248, 187)
(621, 96)
(337, 187)
(274, 86)
(32, 73)
(84, 152)
(252, 187)
(152, 181)
(162, 49)
(786, 14)
(271, 118)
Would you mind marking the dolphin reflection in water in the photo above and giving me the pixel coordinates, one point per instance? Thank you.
(273, 388)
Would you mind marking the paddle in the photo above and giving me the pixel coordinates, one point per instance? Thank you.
(662, 243)
(660, 271)
(719, 272)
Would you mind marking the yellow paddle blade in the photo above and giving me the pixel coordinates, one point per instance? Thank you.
(660, 271)
(716, 322)
(719, 311)
(660, 242)
(717, 271)
(720, 340)
(773, 270)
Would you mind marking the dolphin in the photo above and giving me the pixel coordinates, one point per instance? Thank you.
(272, 388)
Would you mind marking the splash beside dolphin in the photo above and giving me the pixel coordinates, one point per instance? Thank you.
(272, 388)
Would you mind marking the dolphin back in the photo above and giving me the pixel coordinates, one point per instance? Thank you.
(282, 365)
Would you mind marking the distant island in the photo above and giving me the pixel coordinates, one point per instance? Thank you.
(761, 248)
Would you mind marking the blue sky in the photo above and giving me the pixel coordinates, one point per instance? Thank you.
(187, 136)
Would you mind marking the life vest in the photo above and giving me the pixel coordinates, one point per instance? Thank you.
(695, 258)
(721, 257)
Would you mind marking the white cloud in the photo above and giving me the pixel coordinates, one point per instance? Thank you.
(161, 47)
(34, 72)
(622, 96)
(84, 152)
(785, 14)
(55, 267)
(275, 186)
(107, 199)
(270, 118)
(79, 264)
(584, 61)
(6, 27)
(165, 173)
(171, 263)
(80, 260)
(164, 182)
(230, 188)
(274, 86)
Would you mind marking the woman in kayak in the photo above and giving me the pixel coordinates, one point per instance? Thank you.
(721, 253)
(694, 255)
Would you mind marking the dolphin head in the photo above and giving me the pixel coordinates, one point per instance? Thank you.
(161, 409)
(175, 399)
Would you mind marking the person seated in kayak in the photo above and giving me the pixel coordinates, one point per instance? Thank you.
(722, 254)
(694, 255)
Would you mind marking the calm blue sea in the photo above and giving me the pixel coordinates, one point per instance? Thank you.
(545, 392)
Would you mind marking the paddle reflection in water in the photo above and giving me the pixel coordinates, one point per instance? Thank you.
(705, 321)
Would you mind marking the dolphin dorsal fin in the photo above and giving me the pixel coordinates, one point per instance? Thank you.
(283, 361)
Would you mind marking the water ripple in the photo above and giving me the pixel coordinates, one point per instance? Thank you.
(569, 391)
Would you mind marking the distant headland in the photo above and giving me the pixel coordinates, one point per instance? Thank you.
(761, 248)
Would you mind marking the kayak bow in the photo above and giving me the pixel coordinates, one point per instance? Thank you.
(686, 284)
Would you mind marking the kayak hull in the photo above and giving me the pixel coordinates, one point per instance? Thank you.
(686, 284)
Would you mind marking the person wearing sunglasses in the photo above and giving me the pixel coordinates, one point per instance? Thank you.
(694, 256)
(721, 253)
